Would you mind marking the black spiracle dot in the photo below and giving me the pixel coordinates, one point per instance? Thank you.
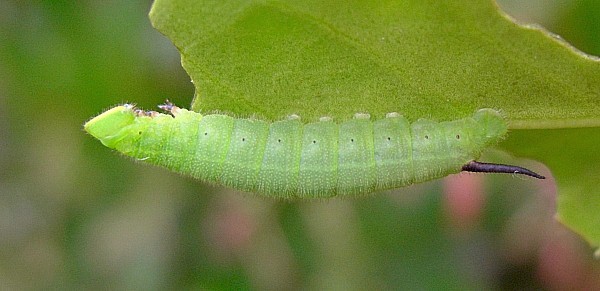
(206, 133)
(458, 136)
(140, 132)
(351, 140)
(389, 138)
(426, 137)
(314, 141)
(243, 139)
(279, 140)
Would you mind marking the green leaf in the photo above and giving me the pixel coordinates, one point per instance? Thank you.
(441, 59)
(572, 155)
(435, 59)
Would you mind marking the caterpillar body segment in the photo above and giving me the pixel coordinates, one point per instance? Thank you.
(357, 169)
(245, 153)
(284, 144)
(393, 157)
(291, 159)
(213, 140)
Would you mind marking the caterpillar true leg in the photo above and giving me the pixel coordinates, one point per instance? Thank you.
(169, 107)
(474, 166)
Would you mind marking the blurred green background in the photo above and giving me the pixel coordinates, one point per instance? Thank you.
(74, 214)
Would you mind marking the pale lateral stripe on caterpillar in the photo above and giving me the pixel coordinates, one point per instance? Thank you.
(290, 159)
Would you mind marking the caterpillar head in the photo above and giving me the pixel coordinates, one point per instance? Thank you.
(108, 126)
(492, 125)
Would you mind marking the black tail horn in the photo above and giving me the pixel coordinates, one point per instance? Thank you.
(474, 166)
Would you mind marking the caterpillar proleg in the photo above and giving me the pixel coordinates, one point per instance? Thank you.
(289, 158)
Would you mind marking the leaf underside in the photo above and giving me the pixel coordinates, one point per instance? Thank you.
(434, 59)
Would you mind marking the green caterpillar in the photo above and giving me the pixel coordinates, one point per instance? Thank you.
(290, 159)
